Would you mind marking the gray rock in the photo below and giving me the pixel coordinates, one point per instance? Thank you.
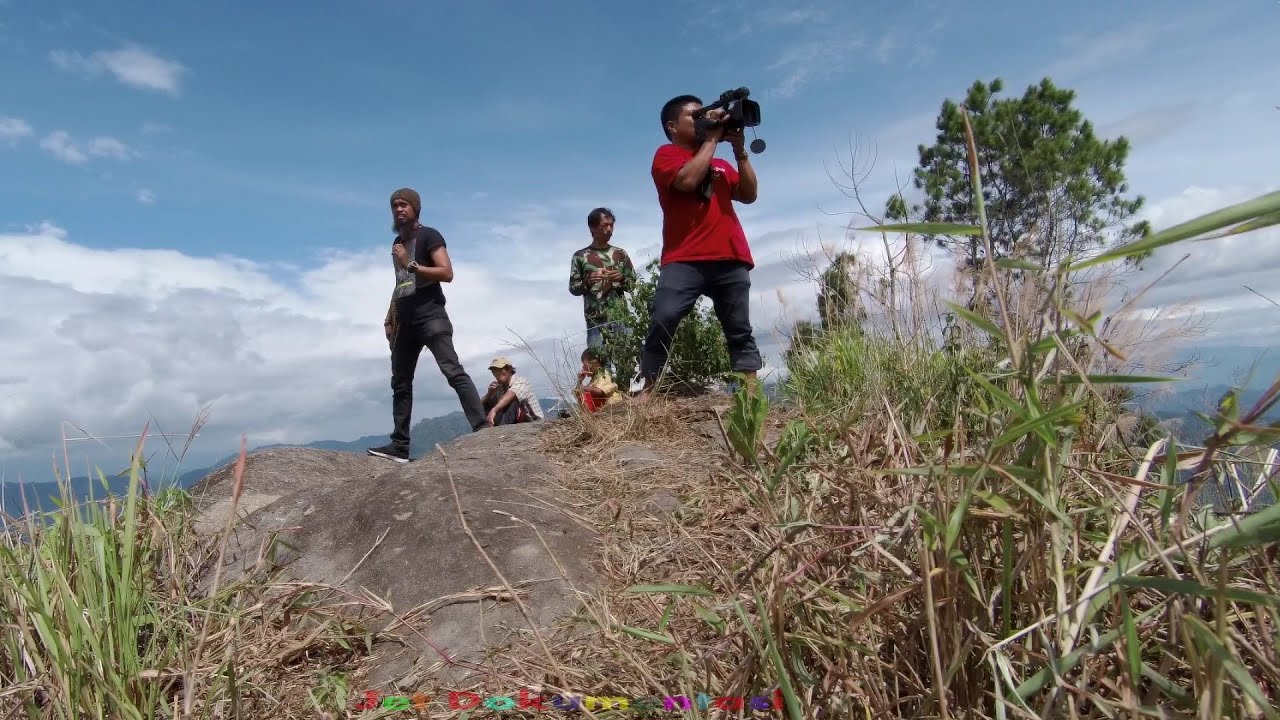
(334, 506)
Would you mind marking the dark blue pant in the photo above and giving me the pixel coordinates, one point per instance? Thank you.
(680, 284)
(434, 332)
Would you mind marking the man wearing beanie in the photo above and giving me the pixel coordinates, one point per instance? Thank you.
(417, 319)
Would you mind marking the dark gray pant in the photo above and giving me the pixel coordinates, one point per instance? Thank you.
(434, 332)
(728, 284)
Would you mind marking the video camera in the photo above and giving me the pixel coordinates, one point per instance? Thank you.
(739, 113)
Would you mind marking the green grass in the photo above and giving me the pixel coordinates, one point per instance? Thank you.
(114, 608)
(942, 535)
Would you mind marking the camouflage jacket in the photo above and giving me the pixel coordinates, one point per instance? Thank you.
(595, 298)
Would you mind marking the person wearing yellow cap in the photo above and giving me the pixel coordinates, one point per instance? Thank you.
(510, 398)
(416, 319)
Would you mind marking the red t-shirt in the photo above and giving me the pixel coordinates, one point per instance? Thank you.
(693, 227)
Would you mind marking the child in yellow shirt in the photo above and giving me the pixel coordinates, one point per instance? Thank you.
(601, 390)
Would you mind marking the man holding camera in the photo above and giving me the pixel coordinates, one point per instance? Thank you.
(417, 319)
(704, 248)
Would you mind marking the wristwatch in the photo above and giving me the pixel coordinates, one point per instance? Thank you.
(412, 267)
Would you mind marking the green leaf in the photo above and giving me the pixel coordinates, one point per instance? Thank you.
(1232, 665)
(1114, 379)
(1061, 665)
(927, 228)
(1255, 224)
(670, 588)
(1132, 646)
(1045, 421)
(1190, 587)
(647, 634)
(996, 502)
(985, 325)
(1253, 530)
(1255, 209)
(710, 617)
(1040, 499)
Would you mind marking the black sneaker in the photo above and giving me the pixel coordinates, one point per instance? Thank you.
(391, 452)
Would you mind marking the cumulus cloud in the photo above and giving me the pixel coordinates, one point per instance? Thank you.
(146, 197)
(1227, 279)
(130, 65)
(13, 129)
(280, 353)
(64, 147)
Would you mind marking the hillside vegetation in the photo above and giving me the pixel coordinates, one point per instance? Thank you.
(952, 519)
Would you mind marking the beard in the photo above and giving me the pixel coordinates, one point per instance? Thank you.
(406, 224)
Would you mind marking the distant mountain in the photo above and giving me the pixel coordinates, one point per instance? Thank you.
(425, 435)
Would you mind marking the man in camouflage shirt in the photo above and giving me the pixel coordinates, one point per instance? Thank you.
(600, 273)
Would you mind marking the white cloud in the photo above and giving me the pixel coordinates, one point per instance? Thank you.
(60, 144)
(109, 147)
(131, 65)
(146, 197)
(812, 60)
(67, 149)
(284, 354)
(13, 129)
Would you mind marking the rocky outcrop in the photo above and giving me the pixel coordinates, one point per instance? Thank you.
(395, 530)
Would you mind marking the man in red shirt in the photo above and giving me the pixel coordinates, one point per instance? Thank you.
(704, 250)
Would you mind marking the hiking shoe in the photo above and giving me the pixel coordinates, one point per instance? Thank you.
(391, 452)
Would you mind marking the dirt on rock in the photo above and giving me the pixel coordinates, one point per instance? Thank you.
(394, 531)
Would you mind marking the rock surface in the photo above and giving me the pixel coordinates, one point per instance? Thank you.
(335, 507)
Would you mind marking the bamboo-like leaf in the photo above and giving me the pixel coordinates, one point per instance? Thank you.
(985, 325)
(666, 616)
(1062, 665)
(1191, 587)
(1250, 531)
(647, 634)
(926, 228)
(1232, 665)
(1257, 223)
(1044, 421)
(1113, 379)
(1255, 209)
(710, 617)
(1132, 646)
(997, 502)
(1168, 687)
(1040, 499)
(1005, 398)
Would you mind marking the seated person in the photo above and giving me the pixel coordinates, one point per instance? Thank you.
(602, 390)
(510, 398)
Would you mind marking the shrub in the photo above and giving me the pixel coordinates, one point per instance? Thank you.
(699, 357)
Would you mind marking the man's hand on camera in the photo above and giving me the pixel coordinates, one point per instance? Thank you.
(715, 134)
(737, 140)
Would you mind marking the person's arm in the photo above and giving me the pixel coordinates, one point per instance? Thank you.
(503, 401)
(670, 171)
(577, 280)
(628, 282)
(442, 271)
(746, 189)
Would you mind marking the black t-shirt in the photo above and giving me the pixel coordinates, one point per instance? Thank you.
(415, 295)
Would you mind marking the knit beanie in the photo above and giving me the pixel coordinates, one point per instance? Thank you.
(410, 196)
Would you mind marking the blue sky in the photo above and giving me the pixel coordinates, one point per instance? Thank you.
(193, 196)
